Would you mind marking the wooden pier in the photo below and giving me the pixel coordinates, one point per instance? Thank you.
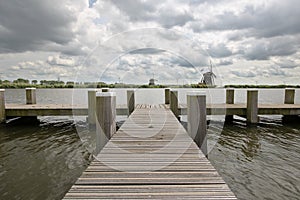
(150, 156)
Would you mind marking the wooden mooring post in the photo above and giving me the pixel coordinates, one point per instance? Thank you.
(167, 96)
(30, 95)
(105, 118)
(229, 100)
(130, 101)
(92, 108)
(289, 96)
(105, 89)
(252, 106)
(2, 106)
(196, 117)
(174, 102)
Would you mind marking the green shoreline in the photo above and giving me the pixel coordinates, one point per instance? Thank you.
(24, 83)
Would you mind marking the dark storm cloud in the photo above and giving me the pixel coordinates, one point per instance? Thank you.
(31, 25)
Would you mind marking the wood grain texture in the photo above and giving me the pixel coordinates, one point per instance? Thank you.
(150, 157)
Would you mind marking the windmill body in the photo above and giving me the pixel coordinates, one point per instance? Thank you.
(208, 77)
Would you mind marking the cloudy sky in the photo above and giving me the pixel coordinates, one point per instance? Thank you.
(131, 41)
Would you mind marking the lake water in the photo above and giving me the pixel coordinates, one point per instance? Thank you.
(42, 161)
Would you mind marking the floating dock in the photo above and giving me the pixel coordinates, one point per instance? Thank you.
(150, 156)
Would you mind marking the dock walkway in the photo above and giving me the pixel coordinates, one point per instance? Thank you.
(150, 156)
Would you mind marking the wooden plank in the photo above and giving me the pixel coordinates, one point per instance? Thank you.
(149, 181)
(240, 109)
(152, 188)
(20, 110)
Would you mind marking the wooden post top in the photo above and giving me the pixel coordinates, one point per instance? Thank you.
(105, 89)
(105, 94)
(30, 88)
(196, 93)
(93, 90)
(2, 90)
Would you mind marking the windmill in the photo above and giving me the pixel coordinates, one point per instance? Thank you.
(152, 80)
(208, 77)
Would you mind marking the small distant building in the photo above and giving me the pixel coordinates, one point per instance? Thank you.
(152, 81)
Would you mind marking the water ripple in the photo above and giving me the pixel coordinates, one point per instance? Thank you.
(260, 162)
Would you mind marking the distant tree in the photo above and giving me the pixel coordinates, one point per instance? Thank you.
(21, 80)
(6, 81)
(34, 82)
(70, 83)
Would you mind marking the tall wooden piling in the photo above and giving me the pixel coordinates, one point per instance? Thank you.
(92, 107)
(229, 100)
(105, 118)
(130, 101)
(30, 95)
(196, 117)
(167, 96)
(174, 102)
(2, 106)
(289, 96)
(252, 106)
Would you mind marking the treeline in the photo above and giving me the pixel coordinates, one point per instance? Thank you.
(24, 83)
(262, 86)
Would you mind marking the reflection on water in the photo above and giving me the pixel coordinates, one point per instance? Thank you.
(260, 162)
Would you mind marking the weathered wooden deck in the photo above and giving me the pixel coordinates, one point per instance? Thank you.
(151, 156)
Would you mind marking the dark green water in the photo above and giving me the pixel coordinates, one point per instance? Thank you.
(260, 162)
(42, 161)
